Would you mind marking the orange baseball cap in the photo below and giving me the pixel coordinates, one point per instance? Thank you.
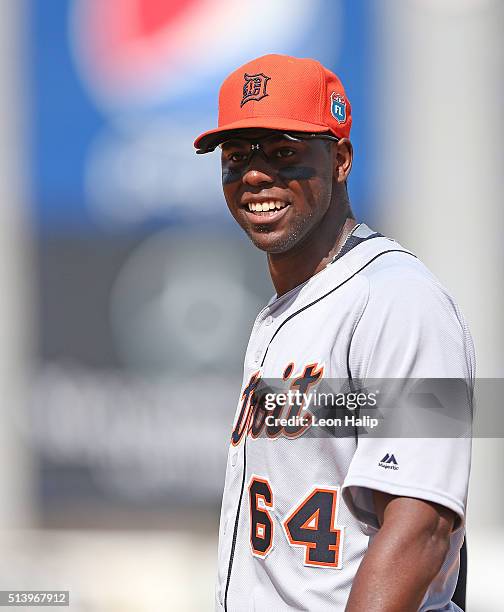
(280, 92)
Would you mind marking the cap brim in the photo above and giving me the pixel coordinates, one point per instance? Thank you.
(207, 141)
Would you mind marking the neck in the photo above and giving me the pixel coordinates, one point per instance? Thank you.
(290, 269)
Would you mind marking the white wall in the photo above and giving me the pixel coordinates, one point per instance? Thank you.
(15, 277)
(441, 132)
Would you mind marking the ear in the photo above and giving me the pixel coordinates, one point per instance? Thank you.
(343, 157)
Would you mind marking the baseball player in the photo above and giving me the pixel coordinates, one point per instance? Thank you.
(330, 522)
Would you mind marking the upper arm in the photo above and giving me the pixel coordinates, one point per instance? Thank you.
(417, 514)
(404, 557)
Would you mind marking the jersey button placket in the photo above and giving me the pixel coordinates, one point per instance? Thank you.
(263, 335)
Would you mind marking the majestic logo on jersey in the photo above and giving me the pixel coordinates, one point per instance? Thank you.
(254, 87)
(389, 462)
(338, 107)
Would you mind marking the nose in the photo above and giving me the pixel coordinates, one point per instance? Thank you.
(258, 173)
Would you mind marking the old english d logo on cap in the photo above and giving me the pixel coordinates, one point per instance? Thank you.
(254, 87)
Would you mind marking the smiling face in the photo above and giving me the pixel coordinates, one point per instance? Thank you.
(279, 193)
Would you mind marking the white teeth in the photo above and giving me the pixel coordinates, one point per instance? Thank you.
(265, 206)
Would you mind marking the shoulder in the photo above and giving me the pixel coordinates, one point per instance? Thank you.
(383, 266)
(411, 325)
(400, 279)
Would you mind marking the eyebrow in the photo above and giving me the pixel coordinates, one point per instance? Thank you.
(233, 142)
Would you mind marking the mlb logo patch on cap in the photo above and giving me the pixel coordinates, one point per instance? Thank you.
(338, 107)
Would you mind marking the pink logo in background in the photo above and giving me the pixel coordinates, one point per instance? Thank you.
(127, 46)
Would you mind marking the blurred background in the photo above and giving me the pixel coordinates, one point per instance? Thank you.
(127, 294)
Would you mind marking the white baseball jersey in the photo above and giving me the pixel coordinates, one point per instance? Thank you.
(297, 514)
